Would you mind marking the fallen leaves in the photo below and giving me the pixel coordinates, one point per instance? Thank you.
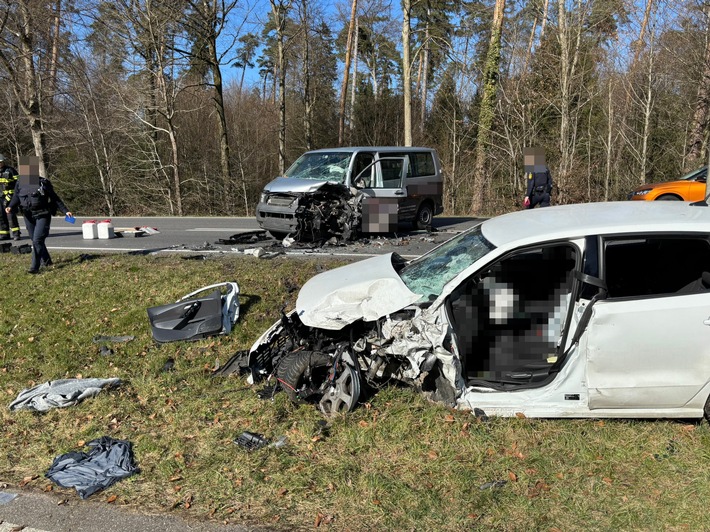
(27, 480)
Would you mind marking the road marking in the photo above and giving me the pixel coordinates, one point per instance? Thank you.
(9, 527)
(222, 230)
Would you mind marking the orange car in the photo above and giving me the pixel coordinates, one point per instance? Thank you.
(690, 187)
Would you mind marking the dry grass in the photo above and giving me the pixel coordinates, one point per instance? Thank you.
(396, 463)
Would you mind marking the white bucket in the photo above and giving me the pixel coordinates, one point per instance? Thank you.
(89, 230)
(105, 229)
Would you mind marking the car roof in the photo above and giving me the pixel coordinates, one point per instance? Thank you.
(582, 219)
(349, 149)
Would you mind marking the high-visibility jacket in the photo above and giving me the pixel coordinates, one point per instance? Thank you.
(8, 178)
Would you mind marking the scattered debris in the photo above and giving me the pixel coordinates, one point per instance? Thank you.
(168, 366)
(105, 351)
(22, 249)
(60, 393)
(99, 339)
(671, 449)
(192, 318)
(7, 497)
(492, 484)
(251, 441)
(247, 237)
(108, 461)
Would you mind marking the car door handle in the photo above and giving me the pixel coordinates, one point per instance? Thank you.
(399, 193)
(706, 322)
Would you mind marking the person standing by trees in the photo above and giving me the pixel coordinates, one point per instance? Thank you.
(39, 202)
(8, 221)
(538, 178)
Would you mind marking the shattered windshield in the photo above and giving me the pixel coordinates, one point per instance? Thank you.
(429, 274)
(321, 166)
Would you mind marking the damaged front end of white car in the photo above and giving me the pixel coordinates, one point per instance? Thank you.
(359, 328)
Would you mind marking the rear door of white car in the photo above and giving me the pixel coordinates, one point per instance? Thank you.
(648, 342)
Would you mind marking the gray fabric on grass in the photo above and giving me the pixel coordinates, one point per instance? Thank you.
(107, 462)
(60, 393)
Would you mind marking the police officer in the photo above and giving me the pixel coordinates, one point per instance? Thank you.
(8, 222)
(39, 202)
(539, 180)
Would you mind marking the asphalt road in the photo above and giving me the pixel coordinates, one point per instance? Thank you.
(200, 235)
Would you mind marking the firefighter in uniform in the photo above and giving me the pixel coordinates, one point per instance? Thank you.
(9, 226)
(39, 202)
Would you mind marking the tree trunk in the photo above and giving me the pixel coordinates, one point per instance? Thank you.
(346, 73)
(702, 108)
(279, 10)
(407, 71)
(353, 85)
(487, 109)
(308, 105)
(425, 73)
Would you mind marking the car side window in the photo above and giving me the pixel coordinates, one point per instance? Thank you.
(656, 265)
(513, 313)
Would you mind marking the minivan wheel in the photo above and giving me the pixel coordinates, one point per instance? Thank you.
(425, 214)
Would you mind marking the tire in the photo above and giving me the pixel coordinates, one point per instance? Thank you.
(706, 410)
(667, 197)
(425, 215)
(278, 235)
(305, 369)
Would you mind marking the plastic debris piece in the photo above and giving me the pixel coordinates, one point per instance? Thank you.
(168, 366)
(6, 497)
(493, 484)
(251, 441)
(256, 252)
(480, 414)
(281, 441)
(98, 339)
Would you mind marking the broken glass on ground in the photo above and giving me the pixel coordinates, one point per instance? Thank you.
(107, 462)
(60, 393)
(193, 318)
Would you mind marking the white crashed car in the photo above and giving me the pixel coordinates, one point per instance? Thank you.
(590, 310)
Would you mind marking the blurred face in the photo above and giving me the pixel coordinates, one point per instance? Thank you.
(534, 160)
(29, 170)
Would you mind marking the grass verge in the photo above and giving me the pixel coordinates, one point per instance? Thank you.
(398, 462)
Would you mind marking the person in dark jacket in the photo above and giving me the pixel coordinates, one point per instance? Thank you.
(9, 226)
(537, 177)
(36, 198)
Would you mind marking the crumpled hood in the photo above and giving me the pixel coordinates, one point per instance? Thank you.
(285, 185)
(365, 290)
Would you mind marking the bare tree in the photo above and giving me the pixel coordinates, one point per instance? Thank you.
(488, 104)
(346, 72)
(407, 70)
(20, 55)
(279, 10)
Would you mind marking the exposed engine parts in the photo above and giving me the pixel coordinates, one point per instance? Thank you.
(332, 211)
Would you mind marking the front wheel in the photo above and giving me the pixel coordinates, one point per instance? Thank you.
(425, 215)
(668, 197)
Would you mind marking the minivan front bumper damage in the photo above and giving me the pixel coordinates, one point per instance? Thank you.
(317, 214)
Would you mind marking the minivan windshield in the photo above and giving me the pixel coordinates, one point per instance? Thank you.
(429, 274)
(321, 166)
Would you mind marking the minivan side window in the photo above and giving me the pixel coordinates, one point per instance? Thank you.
(656, 265)
(421, 164)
